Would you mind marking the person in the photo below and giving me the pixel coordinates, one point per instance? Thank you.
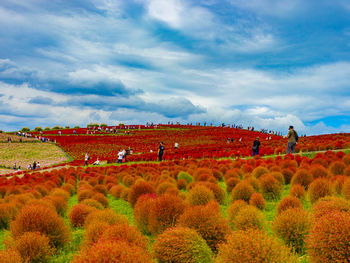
(29, 167)
(34, 165)
(124, 156)
(15, 166)
(120, 156)
(176, 145)
(292, 139)
(161, 149)
(256, 145)
(38, 165)
(86, 159)
(97, 162)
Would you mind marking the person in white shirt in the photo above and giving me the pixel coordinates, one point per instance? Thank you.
(120, 156)
(176, 145)
(97, 162)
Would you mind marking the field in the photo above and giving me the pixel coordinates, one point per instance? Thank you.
(24, 153)
(290, 208)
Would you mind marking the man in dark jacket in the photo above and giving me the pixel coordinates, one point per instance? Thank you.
(292, 139)
(256, 145)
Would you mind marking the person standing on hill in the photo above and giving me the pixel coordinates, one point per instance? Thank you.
(256, 145)
(292, 139)
(161, 151)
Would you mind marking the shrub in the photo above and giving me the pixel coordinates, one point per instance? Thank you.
(93, 203)
(231, 183)
(85, 194)
(60, 204)
(242, 191)
(346, 189)
(319, 188)
(338, 183)
(164, 187)
(200, 195)
(337, 168)
(7, 212)
(138, 189)
(124, 232)
(78, 214)
(60, 192)
(287, 203)
(219, 193)
(165, 212)
(41, 219)
(111, 251)
(34, 247)
(329, 238)
(101, 189)
(270, 187)
(116, 190)
(253, 246)
(278, 176)
(185, 176)
(208, 222)
(101, 199)
(327, 205)
(249, 217)
(258, 201)
(259, 171)
(234, 208)
(181, 245)
(94, 231)
(302, 177)
(141, 212)
(298, 191)
(287, 174)
(10, 256)
(318, 171)
(107, 215)
(181, 184)
(293, 225)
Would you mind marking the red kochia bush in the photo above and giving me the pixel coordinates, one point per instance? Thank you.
(141, 212)
(181, 245)
(78, 214)
(10, 256)
(165, 212)
(329, 205)
(302, 177)
(346, 189)
(287, 203)
(318, 171)
(207, 221)
(111, 251)
(248, 217)
(219, 193)
(242, 191)
(329, 238)
(319, 188)
(7, 213)
(41, 219)
(200, 195)
(298, 191)
(231, 183)
(258, 201)
(106, 216)
(101, 199)
(292, 225)
(138, 189)
(124, 232)
(259, 171)
(337, 167)
(234, 208)
(34, 247)
(253, 246)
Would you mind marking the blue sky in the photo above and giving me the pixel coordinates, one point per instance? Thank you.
(262, 63)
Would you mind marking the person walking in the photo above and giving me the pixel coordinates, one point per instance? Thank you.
(120, 156)
(256, 145)
(292, 139)
(86, 159)
(161, 149)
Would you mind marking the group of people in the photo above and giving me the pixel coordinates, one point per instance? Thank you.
(35, 165)
(292, 141)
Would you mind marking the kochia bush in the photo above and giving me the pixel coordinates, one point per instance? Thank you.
(249, 217)
(292, 225)
(319, 188)
(181, 245)
(10, 256)
(329, 238)
(78, 214)
(287, 203)
(258, 201)
(253, 246)
(242, 191)
(41, 219)
(200, 195)
(138, 189)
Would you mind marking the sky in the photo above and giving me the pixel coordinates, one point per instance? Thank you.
(262, 63)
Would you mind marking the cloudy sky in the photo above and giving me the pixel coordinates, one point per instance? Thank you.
(262, 63)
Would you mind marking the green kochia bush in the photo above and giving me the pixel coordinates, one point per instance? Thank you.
(181, 245)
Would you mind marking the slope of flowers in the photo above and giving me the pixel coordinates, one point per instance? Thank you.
(161, 196)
